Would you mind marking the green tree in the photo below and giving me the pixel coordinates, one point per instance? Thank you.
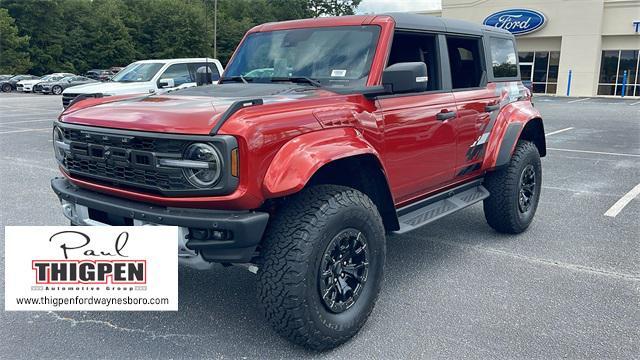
(333, 7)
(14, 58)
(41, 21)
(168, 28)
(75, 35)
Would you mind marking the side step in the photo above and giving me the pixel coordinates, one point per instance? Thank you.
(431, 209)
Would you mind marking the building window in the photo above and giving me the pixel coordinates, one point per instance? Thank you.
(541, 69)
(612, 67)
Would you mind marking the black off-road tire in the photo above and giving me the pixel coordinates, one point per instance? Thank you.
(502, 209)
(293, 252)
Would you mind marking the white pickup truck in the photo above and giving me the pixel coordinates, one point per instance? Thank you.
(147, 76)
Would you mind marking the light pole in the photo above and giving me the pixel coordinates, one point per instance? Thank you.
(215, 29)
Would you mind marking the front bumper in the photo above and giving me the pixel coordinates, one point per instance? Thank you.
(244, 229)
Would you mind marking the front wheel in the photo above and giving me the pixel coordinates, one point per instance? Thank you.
(6, 87)
(515, 191)
(321, 266)
(57, 90)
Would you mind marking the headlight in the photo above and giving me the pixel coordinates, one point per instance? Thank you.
(204, 163)
(59, 146)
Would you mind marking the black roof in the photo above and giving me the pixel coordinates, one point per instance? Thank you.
(438, 24)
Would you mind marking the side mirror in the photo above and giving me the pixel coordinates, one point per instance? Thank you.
(406, 77)
(166, 83)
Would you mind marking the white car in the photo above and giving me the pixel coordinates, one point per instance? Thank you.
(147, 76)
(29, 85)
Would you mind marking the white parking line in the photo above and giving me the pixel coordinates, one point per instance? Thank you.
(594, 152)
(635, 103)
(578, 100)
(620, 204)
(24, 130)
(558, 131)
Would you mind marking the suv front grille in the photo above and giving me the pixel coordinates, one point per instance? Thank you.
(125, 161)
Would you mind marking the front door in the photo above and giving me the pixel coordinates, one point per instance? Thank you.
(420, 146)
(419, 149)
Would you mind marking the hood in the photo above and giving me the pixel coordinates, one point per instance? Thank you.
(190, 111)
(112, 88)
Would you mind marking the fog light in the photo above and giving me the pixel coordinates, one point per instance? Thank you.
(209, 234)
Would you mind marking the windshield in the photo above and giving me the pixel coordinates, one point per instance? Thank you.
(138, 72)
(333, 56)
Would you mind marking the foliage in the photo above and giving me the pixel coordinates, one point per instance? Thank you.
(13, 56)
(77, 35)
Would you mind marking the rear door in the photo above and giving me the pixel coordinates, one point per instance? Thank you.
(475, 102)
(419, 147)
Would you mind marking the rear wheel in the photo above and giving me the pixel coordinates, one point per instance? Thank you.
(56, 90)
(321, 266)
(515, 191)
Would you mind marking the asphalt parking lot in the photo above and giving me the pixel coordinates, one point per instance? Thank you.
(569, 287)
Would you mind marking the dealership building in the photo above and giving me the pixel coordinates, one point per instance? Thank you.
(576, 47)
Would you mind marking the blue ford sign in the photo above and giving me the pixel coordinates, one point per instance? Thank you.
(516, 21)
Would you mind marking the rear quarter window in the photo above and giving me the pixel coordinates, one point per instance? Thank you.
(503, 58)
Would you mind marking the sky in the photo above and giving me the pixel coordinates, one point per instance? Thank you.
(378, 6)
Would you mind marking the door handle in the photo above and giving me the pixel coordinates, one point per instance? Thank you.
(445, 115)
(490, 108)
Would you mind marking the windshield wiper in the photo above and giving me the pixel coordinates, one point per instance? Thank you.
(298, 79)
(236, 78)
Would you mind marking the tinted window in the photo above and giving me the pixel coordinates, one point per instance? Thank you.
(609, 67)
(466, 63)
(411, 47)
(179, 73)
(503, 58)
(540, 67)
(215, 75)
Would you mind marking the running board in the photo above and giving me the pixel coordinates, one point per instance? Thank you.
(441, 205)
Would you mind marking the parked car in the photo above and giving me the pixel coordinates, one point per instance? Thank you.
(93, 73)
(147, 76)
(387, 123)
(116, 69)
(57, 87)
(10, 84)
(105, 75)
(30, 85)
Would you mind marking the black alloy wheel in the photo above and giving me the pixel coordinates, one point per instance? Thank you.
(527, 187)
(343, 270)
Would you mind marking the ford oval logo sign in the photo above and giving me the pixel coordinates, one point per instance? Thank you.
(516, 21)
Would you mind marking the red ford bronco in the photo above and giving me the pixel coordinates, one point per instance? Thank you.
(323, 137)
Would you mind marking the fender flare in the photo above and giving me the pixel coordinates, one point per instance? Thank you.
(299, 159)
(512, 124)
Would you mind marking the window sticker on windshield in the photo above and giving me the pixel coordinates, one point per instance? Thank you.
(338, 73)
